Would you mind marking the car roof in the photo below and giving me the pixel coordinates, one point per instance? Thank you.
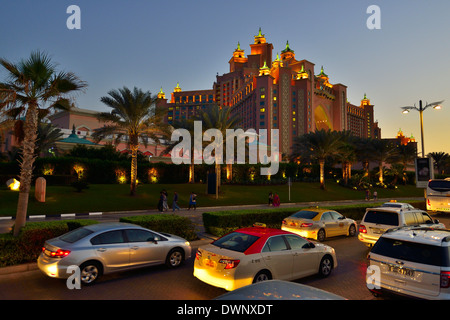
(110, 226)
(262, 231)
(425, 235)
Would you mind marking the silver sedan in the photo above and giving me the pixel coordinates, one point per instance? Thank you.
(108, 247)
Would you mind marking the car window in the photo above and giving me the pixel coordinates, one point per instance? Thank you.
(136, 235)
(236, 241)
(381, 217)
(108, 237)
(410, 218)
(276, 243)
(326, 217)
(296, 242)
(336, 215)
(423, 217)
(75, 235)
(305, 214)
(413, 252)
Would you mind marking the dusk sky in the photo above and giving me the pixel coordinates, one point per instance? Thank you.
(152, 44)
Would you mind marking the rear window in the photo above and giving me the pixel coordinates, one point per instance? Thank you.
(413, 252)
(439, 185)
(382, 217)
(75, 235)
(305, 214)
(236, 241)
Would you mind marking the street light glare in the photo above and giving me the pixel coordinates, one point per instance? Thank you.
(405, 111)
(438, 107)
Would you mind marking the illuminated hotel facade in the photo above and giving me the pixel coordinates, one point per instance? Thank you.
(281, 93)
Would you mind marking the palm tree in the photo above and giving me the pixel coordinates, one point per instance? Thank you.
(406, 153)
(383, 152)
(318, 145)
(134, 116)
(220, 119)
(439, 159)
(365, 153)
(347, 154)
(48, 135)
(33, 87)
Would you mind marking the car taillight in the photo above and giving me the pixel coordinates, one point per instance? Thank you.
(56, 254)
(428, 203)
(362, 229)
(198, 255)
(229, 264)
(306, 225)
(445, 279)
(283, 222)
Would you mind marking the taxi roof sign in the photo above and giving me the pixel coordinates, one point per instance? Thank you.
(259, 225)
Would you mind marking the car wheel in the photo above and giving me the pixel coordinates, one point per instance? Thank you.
(263, 275)
(89, 272)
(326, 265)
(174, 258)
(352, 230)
(321, 235)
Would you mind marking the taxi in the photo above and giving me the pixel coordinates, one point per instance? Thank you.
(254, 254)
(319, 224)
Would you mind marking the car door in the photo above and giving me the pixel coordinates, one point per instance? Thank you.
(112, 249)
(306, 259)
(341, 226)
(330, 224)
(145, 247)
(278, 257)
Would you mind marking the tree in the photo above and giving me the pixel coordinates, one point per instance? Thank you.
(383, 152)
(134, 115)
(318, 145)
(439, 159)
(346, 154)
(33, 87)
(220, 119)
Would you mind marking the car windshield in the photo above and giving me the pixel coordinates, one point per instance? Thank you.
(236, 241)
(439, 185)
(305, 214)
(412, 251)
(382, 217)
(75, 235)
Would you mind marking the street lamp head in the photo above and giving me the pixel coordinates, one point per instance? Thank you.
(438, 107)
(405, 111)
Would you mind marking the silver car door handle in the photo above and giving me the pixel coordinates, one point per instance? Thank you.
(101, 249)
(134, 248)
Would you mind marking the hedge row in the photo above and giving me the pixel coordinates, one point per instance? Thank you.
(28, 245)
(218, 223)
(165, 223)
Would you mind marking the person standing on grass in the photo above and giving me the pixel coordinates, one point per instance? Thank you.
(175, 202)
(276, 200)
(193, 201)
(165, 205)
(270, 198)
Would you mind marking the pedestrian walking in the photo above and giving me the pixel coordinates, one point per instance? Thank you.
(175, 202)
(160, 202)
(270, 198)
(193, 201)
(165, 205)
(367, 194)
(375, 195)
(276, 200)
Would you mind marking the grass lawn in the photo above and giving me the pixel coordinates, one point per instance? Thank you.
(115, 197)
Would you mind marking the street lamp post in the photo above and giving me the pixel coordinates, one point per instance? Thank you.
(421, 109)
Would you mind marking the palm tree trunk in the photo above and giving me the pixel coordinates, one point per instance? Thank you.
(26, 166)
(322, 173)
(134, 150)
(381, 173)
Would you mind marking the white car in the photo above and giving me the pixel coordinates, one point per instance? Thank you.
(255, 254)
(393, 214)
(412, 262)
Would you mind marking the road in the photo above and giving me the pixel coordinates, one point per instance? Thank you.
(160, 283)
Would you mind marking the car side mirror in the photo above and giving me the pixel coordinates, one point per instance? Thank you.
(436, 221)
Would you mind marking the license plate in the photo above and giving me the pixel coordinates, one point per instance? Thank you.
(377, 231)
(210, 263)
(403, 271)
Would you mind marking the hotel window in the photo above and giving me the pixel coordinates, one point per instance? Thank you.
(262, 110)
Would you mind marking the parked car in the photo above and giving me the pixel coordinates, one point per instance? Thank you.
(412, 262)
(391, 215)
(108, 247)
(255, 254)
(278, 290)
(319, 224)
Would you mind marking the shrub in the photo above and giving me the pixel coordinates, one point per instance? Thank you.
(169, 223)
(28, 245)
